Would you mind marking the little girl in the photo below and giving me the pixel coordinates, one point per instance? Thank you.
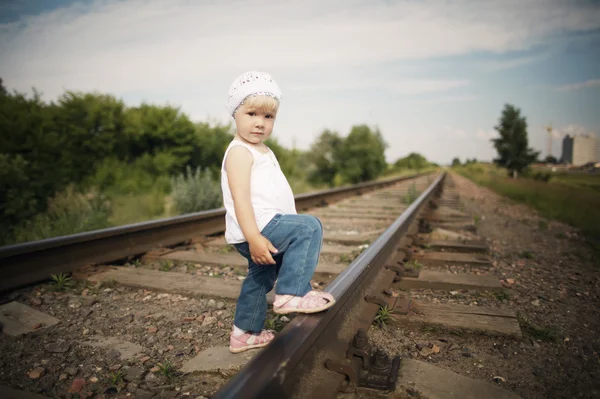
(261, 219)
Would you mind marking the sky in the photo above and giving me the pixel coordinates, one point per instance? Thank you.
(431, 75)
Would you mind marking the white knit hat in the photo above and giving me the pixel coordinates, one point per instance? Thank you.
(251, 83)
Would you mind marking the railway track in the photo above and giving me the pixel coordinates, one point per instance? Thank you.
(378, 248)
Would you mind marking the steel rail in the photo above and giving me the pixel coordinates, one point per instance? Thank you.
(293, 365)
(35, 261)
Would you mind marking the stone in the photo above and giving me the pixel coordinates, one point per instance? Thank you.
(218, 359)
(152, 330)
(127, 350)
(212, 303)
(59, 346)
(133, 373)
(426, 351)
(63, 376)
(113, 353)
(94, 380)
(72, 371)
(115, 367)
(18, 319)
(37, 373)
(77, 385)
(46, 384)
(209, 320)
(141, 394)
(35, 301)
(220, 305)
(152, 379)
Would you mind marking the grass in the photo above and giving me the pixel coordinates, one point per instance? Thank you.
(116, 378)
(62, 281)
(502, 295)
(411, 195)
(275, 323)
(167, 369)
(527, 255)
(570, 198)
(134, 208)
(111, 283)
(414, 265)
(165, 265)
(383, 317)
(545, 334)
(347, 258)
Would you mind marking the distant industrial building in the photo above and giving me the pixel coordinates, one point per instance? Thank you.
(580, 149)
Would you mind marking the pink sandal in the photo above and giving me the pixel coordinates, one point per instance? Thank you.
(309, 303)
(248, 341)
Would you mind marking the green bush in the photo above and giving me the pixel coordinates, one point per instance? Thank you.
(194, 192)
(542, 176)
(69, 212)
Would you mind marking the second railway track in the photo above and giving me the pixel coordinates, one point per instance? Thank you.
(158, 325)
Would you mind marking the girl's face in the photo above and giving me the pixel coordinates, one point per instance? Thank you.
(254, 125)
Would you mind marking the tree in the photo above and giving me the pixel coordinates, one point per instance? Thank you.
(512, 145)
(361, 156)
(324, 155)
(412, 161)
(455, 162)
(551, 159)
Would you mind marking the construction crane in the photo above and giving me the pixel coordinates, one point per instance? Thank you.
(549, 130)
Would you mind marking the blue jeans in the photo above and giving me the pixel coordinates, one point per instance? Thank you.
(298, 239)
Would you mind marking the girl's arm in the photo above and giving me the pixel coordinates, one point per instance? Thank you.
(239, 165)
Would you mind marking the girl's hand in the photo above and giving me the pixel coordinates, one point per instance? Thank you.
(261, 249)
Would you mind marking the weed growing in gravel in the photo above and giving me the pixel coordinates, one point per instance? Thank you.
(275, 323)
(166, 368)
(414, 265)
(411, 195)
(347, 258)
(116, 378)
(527, 255)
(61, 282)
(108, 283)
(546, 334)
(226, 249)
(543, 225)
(429, 329)
(165, 265)
(502, 295)
(382, 317)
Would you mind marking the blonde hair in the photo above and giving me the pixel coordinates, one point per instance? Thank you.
(261, 103)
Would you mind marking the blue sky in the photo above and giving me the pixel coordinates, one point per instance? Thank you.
(433, 75)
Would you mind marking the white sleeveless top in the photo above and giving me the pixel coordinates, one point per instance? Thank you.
(270, 192)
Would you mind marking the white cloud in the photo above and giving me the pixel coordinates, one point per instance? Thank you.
(486, 134)
(444, 99)
(120, 46)
(492, 66)
(188, 52)
(414, 86)
(580, 85)
(573, 130)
